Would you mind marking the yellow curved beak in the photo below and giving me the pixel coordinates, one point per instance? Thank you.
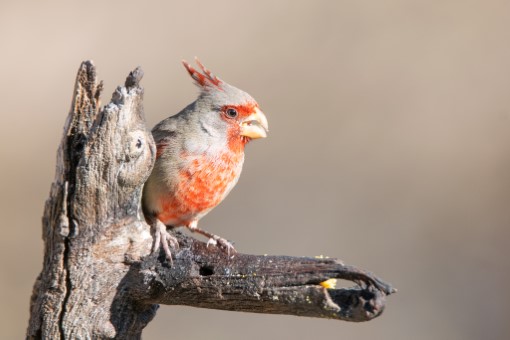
(255, 125)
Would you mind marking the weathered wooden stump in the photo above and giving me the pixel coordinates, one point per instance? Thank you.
(99, 279)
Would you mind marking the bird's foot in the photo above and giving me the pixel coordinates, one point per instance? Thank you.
(214, 240)
(163, 238)
(224, 244)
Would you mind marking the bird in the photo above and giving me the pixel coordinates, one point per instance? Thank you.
(199, 158)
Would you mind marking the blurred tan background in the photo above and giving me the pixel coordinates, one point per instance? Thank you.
(389, 146)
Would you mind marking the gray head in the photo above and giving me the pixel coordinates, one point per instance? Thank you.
(225, 107)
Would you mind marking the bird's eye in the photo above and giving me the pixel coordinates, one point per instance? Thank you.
(231, 113)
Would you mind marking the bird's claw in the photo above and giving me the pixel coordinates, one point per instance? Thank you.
(163, 238)
(211, 242)
(222, 243)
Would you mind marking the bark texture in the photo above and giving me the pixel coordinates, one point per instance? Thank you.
(99, 279)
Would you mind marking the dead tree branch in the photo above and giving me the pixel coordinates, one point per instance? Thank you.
(99, 279)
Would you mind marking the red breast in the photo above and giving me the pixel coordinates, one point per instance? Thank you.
(201, 187)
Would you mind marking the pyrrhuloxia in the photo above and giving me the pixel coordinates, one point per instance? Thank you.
(200, 154)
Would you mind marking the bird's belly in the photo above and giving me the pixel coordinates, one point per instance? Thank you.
(201, 186)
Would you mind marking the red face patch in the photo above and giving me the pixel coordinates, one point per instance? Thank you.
(243, 110)
(236, 142)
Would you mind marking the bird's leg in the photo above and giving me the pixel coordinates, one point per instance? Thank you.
(213, 239)
(163, 238)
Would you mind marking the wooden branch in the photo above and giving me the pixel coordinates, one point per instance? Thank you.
(99, 279)
(205, 277)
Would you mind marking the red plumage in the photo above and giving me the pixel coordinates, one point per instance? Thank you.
(201, 187)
